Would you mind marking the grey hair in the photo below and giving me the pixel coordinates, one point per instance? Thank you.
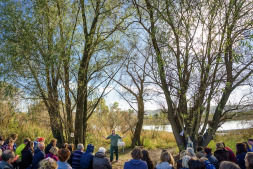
(190, 152)
(101, 150)
(79, 146)
(41, 144)
(185, 160)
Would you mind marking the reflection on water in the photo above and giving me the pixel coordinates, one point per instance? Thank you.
(230, 125)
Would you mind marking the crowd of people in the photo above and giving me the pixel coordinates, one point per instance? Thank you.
(35, 155)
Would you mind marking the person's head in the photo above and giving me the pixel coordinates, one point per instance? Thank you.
(8, 156)
(190, 152)
(53, 141)
(1, 140)
(220, 146)
(199, 148)
(250, 141)
(136, 153)
(228, 165)
(71, 147)
(41, 146)
(167, 157)
(113, 132)
(54, 150)
(36, 138)
(29, 145)
(145, 154)
(200, 154)
(64, 154)
(11, 142)
(249, 160)
(185, 161)
(80, 146)
(41, 139)
(14, 137)
(240, 148)
(246, 144)
(48, 163)
(90, 148)
(26, 140)
(65, 145)
(208, 150)
(101, 150)
(183, 153)
(195, 163)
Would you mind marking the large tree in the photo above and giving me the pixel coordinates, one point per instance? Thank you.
(197, 47)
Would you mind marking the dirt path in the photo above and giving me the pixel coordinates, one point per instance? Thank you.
(126, 156)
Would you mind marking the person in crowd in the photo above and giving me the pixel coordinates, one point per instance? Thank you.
(71, 149)
(167, 161)
(241, 152)
(185, 161)
(181, 155)
(136, 162)
(52, 143)
(39, 155)
(190, 152)
(40, 140)
(7, 158)
(250, 141)
(35, 142)
(247, 146)
(228, 165)
(77, 156)
(53, 153)
(1, 141)
(195, 163)
(87, 157)
(14, 138)
(207, 163)
(65, 145)
(21, 147)
(48, 163)
(232, 156)
(9, 146)
(249, 160)
(100, 161)
(114, 144)
(200, 152)
(210, 157)
(64, 155)
(221, 153)
(145, 157)
(27, 155)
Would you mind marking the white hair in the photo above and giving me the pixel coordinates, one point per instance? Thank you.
(101, 150)
(41, 145)
(79, 146)
(190, 152)
(185, 160)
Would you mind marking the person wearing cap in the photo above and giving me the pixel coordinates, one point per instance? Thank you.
(87, 157)
(7, 158)
(40, 140)
(100, 161)
(21, 147)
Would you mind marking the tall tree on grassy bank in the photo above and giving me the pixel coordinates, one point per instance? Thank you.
(197, 47)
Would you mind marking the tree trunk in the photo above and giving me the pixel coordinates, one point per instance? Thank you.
(137, 133)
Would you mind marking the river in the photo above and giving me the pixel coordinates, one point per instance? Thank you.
(230, 125)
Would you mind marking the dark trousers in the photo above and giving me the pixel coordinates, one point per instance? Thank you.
(111, 152)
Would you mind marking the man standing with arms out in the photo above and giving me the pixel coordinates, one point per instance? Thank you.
(250, 141)
(114, 144)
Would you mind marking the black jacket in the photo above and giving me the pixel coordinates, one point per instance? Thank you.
(222, 155)
(101, 162)
(27, 158)
(48, 147)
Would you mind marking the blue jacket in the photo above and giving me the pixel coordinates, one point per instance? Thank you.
(38, 156)
(5, 165)
(135, 164)
(240, 160)
(87, 157)
(212, 159)
(209, 165)
(76, 159)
